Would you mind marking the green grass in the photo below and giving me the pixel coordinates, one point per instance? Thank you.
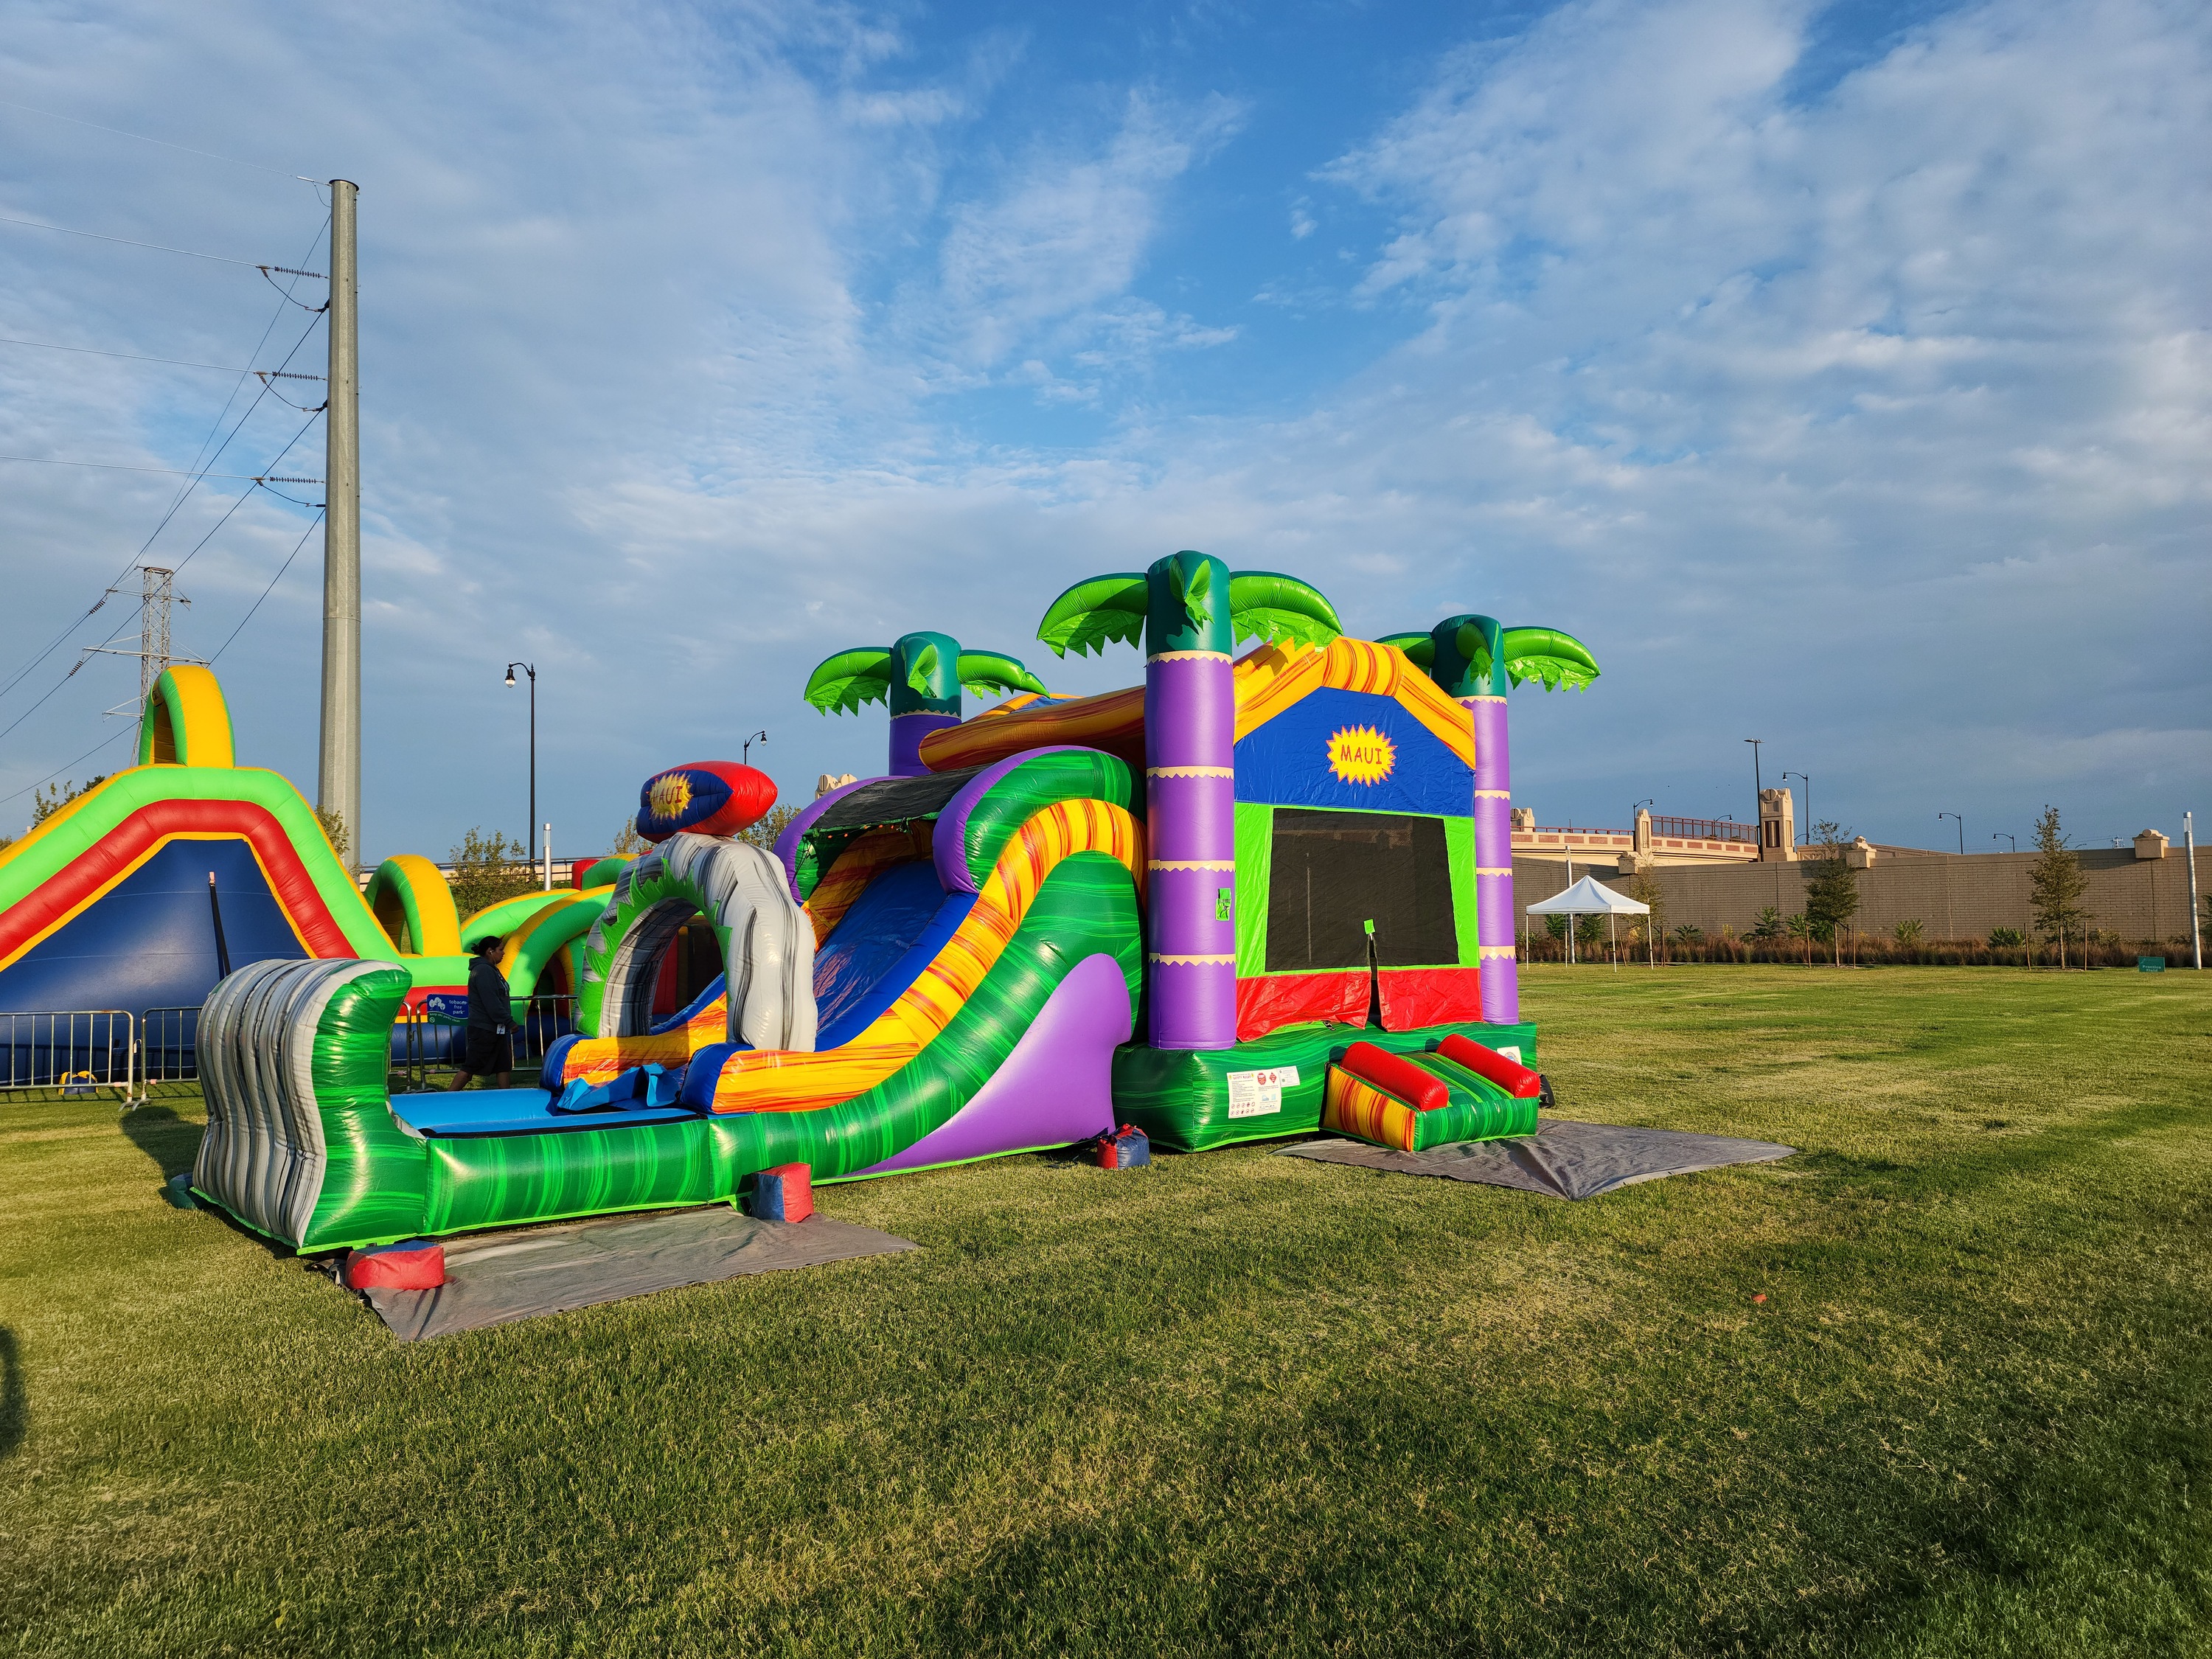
(1237, 1403)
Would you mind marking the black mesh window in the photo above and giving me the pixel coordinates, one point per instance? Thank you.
(1336, 871)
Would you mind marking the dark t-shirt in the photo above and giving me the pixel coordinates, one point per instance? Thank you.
(490, 1007)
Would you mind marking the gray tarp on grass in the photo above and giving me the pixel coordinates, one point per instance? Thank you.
(495, 1278)
(1562, 1159)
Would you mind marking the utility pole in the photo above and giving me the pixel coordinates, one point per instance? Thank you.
(337, 782)
(2189, 856)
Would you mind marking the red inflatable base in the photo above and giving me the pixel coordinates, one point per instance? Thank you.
(415, 1266)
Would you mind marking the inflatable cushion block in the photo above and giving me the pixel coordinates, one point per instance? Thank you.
(1126, 1148)
(1510, 1075)
(417, 1265)
(783, 1194)
(1394, 1074)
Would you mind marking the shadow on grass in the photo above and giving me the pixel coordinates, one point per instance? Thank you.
(15, 1406)
(171, 1141)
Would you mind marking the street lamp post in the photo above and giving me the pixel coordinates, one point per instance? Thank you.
(531, 670)
(1758, 788)
(747, 750)
(1806, 834)
(1961, 823)
(2004, 834)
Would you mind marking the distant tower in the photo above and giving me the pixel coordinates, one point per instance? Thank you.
(156, 594)
(157, 589)
(1778, 827)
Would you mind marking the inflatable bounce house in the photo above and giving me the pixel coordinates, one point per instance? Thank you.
(1252, 897)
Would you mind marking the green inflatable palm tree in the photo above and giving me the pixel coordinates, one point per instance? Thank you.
(920, 676)
(1474, 659)
(1189, 610)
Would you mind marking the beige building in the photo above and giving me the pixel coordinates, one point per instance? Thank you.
(1722, 874)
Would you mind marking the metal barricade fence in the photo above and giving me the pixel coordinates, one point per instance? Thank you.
(71, 1052)
(425, 1044)
(168, 1048)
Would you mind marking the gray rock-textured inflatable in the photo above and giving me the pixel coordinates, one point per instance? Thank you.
(767, 940)
(262, 1158)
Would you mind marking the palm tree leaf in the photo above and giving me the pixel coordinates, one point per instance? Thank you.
(1264, 605)
(1418, 646)
(1546, 654)
(994, 670)
(1093, 614)
(1474, 650)
(1197, 595)
(841, 684)
(920, 672)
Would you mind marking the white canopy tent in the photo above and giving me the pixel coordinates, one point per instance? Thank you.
(1588, 897)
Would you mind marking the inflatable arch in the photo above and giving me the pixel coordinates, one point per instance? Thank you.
(767, 940)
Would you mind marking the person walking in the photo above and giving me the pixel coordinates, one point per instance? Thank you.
(490, 1043)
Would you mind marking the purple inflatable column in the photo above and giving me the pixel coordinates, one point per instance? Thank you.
(1493, 861)
(907, 732)
(1190, 794)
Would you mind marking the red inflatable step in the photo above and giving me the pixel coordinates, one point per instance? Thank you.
(1510, 1075)
(1394, 1074)
(417, 1265)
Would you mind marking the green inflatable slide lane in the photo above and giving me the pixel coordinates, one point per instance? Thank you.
(310, 1151)
(1186, 1102)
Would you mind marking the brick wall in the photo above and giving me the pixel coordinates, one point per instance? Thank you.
(1951, 896)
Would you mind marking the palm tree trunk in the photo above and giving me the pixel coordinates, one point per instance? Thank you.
(1190, 790)
(1494, 859)
(918, 711)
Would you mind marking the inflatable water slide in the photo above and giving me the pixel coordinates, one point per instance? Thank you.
(1255, 896)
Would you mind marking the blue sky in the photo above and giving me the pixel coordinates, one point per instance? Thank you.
(1838, 375)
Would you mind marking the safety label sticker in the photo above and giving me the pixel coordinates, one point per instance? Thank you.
(1255, 1094)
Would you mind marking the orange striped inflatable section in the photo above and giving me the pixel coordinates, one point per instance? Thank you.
(1113, 720)
(1353, 1108)
(775, 1080)
(1270, 680)
(860, 863)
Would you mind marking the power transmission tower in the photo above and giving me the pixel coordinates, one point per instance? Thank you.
(156, 594)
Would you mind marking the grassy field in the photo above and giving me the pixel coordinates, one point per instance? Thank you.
(1237, 1403)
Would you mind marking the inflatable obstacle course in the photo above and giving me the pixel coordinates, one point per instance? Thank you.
(134, 895)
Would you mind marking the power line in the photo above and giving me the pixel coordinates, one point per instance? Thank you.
(174, 363)
(76, 121)
(116, 466)
(160, 248)
(265, 592)
(183, 495)
(124, 732)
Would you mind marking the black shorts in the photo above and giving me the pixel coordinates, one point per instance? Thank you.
(487, 1052)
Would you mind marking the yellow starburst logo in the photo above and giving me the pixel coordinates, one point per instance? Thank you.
(1360, 754)
(671, 793)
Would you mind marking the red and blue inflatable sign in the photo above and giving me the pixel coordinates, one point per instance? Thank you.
(707, 798)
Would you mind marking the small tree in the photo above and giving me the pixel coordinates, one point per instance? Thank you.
(763, 833)
(2056, 885)
(1645, 890)
(630, 843)
(488, 868)
(341, 838)
(48, 801)
(1768, 925)
(1909, 932)
(1831, 890)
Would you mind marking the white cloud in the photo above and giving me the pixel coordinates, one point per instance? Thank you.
(1877, 420)
(1067, 234)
